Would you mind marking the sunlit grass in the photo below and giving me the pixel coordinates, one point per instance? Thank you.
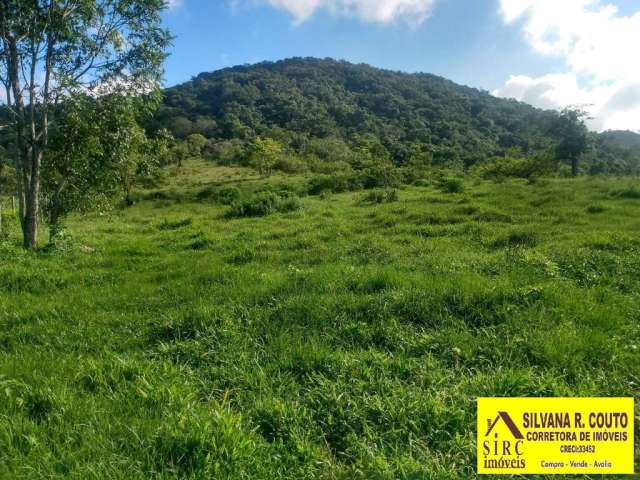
(348, 339)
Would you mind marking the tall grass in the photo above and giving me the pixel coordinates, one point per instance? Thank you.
(349, 340)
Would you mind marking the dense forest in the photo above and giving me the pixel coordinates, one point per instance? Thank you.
(326, 107)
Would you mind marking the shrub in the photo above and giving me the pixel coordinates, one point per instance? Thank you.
(263, 153)
(451, 185)
(517, 238)
(319, 166)
(629, 193)
(381, 196)
(227, 195)
(334, 183)
(264, 203)
(503, 167)
(176, 225)
(379, 176)
(596, 209)
(225, 152)
(290, 164)
(422, 182)
(223, 195)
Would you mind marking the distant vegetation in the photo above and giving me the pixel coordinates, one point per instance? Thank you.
(348, 127)
(326, 115)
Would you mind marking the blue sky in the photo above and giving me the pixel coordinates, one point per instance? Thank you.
(540, 51)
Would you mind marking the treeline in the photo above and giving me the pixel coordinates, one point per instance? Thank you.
(311, 106)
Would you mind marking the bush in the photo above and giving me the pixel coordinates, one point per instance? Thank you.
(451, 185)
(596, 209)
(167, 225)
(319, 166)
(225, 152)
(290, 164)
(517, 238)
(629, 193)
(223, 195)
(265, 203)
(381, 196)
(334, 183)
(227, 195)
(421, 182)
(499, 168)
(379, 176)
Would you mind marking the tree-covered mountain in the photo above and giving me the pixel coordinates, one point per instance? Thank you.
(622, 139)
(304, 98)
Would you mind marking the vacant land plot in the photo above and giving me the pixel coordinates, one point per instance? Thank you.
(347, 337)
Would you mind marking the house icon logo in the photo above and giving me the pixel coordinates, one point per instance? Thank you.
(508, 421)
(503, 445)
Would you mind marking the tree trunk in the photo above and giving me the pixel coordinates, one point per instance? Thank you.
(54, 230)
(32, 209)
(21, 154)
(574, 167)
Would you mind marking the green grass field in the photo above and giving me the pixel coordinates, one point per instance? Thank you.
(345, 340)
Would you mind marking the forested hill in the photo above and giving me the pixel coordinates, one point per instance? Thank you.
(622, 139)
(301, 98)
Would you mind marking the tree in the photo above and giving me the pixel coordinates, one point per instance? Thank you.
(97, 151)
(180, 152)
(53, 50)
(573, 136)
(196, 142)
(161, 145)
(263, 153)
(181, 127)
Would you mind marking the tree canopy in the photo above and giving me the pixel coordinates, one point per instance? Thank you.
(412, 116)
(53, 51)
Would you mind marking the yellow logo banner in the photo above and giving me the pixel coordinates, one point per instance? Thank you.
(555, 435)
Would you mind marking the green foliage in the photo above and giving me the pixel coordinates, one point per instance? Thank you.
(74, 50)
(500, 168)
(632, 192)
(224, 152)
(342, 182)
(573, 136)
(334, 111)
(7, 179)
(451, 185)
(334, 343)
(381, 196)
(264, 203)
(195, 143)
(263, 154)
(594, 209)
(228, 195)
(179, 153)
(328, 116)
(96, 149)
(290, 164)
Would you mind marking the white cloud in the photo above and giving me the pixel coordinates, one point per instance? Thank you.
(599, 47)
(412, 12)
(174, 4)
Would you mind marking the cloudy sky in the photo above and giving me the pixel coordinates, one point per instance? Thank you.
(550, 53)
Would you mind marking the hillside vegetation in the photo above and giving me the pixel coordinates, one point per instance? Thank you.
(328, 111)
(210, 332)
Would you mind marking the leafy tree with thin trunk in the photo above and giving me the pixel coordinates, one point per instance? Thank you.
(51, 51)
(263, 153)
(573, 136)
(97, 148)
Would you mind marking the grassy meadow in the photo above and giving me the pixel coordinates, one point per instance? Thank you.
(346, 338)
